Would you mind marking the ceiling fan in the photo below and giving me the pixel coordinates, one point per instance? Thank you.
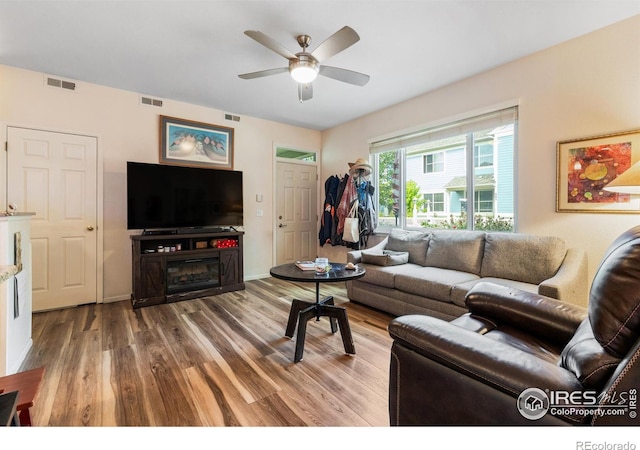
(304, 66)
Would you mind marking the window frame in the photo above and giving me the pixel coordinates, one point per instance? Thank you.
(438, 165)
(476, 131)
(477, 157)
(477, 201)
(434, 202)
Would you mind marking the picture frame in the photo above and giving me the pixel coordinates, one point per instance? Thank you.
(196, 144)
(585, 166)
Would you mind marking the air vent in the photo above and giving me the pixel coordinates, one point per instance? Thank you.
(232, 117)
(151, 101)
(54, 82)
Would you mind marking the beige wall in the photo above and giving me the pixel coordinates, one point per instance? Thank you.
(588, 86)
(128, 131)
(585, 87)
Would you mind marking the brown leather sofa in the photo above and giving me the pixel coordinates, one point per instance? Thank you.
(520, 358)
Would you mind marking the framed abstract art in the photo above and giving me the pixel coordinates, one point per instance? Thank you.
(585, 167)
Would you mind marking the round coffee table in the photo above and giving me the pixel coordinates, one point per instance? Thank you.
(303, 311)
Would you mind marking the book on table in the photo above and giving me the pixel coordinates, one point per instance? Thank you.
(306, 265)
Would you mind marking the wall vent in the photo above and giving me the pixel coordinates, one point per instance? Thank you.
(151, 101)
(232, 117)
(54, 82)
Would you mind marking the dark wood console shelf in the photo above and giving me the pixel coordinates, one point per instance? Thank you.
(172, 267)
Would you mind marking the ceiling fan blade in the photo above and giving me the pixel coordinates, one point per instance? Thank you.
(334, 44)
(270, 43)
(344, 75)
(263, 73)
(305, 92)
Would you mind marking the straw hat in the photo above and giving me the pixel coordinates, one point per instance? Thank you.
(360, 164)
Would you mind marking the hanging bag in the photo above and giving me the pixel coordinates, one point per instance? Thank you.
(351, 231)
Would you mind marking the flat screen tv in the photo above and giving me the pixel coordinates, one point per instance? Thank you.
(176, 197)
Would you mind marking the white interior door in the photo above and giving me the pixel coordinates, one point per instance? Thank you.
(296, 212)
(54, 175)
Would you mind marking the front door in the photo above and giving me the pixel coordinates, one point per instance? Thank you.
(54, 175)
(296, 212)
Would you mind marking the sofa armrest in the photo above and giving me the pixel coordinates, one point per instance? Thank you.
(355, 256)
(537, 314)
(569, 284)
(493, 362)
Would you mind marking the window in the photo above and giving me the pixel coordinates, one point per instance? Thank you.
(483, 155)
(434, 202)
(433, 162)
(416, 189)
(483, 201)
(300, 155)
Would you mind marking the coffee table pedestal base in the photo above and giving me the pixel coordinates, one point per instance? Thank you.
(301, 312)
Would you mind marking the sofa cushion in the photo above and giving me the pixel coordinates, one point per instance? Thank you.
(522, 257)
(431, 282)
(385, 258)
(456, 250)
(459, 291)
(383, 275)
(413, 242)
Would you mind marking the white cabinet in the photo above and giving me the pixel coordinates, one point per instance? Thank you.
(15, 291)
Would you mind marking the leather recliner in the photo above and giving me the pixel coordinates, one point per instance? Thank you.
(519, 358)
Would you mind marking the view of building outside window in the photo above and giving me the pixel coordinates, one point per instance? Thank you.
(436, 190)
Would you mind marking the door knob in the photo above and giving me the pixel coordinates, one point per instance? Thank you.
(281, 226)
(90, 228)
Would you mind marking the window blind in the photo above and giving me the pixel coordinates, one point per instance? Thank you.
(477, 123)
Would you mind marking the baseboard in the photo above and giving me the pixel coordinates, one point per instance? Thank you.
(117, 298)
(256, 277)
(15, 368)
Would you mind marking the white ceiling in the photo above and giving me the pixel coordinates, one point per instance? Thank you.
(193, 51)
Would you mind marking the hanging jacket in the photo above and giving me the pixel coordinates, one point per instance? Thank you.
(348, 196)
(336, 238)
(328, 211)
(367, 217)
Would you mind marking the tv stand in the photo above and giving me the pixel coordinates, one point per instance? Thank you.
(200, 230)
(176, 266)
(158, 232)
(189, 230)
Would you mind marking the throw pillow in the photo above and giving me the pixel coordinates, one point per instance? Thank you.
(413, 242)
(386, 258)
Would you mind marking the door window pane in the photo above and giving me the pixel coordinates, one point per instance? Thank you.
(300, 155)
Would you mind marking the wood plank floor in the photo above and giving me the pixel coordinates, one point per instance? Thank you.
(215, 361)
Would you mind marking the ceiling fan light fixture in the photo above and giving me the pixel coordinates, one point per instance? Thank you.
(304, 69)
